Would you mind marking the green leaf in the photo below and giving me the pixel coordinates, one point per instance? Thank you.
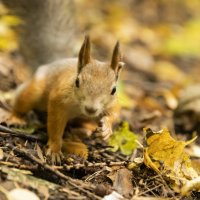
(123, 139)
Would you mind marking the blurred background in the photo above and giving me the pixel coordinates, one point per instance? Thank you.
(160, 44)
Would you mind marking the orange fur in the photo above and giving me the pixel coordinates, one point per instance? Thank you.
(28, 96)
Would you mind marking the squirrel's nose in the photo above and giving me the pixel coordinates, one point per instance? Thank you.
(90, 110)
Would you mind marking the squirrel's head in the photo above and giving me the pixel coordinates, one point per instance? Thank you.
(96, 81)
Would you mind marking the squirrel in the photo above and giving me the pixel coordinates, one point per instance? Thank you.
(48, 33)
(73, 88)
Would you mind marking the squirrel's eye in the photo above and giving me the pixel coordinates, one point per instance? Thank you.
(113, 91)
(77, 83)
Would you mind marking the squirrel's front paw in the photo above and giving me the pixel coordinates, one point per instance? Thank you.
(105, 128)
(54, 153)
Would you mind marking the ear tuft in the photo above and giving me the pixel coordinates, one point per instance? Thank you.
(84, 54)
(116, 57)
(87, 48)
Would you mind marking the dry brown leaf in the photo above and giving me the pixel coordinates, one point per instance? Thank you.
(121, 179)
(122, 183)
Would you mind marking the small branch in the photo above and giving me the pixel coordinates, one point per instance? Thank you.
(23, 135)
(102, 164)
(19, 166)
(78, 184)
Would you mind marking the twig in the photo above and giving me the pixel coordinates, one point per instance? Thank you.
(78, 184)
(74, 195)
(150, 190)
(24, 135)
(101, 164)
(105, 155)
(19, 166)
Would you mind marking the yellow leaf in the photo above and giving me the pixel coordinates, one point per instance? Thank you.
(166, 155)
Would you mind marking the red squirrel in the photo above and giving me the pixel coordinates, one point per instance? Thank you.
(71, 88)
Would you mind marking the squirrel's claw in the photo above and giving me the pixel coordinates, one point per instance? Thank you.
(105, 128)
(55, 157)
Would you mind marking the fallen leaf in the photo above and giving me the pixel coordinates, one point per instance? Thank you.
(123, 182)
(123, 139)
(166, 155)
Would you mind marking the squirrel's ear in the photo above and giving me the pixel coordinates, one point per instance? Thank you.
(84, 54)
(116, 58)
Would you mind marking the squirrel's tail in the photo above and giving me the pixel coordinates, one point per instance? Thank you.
(48, 29)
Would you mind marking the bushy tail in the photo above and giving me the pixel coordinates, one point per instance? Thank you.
(48, 29)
